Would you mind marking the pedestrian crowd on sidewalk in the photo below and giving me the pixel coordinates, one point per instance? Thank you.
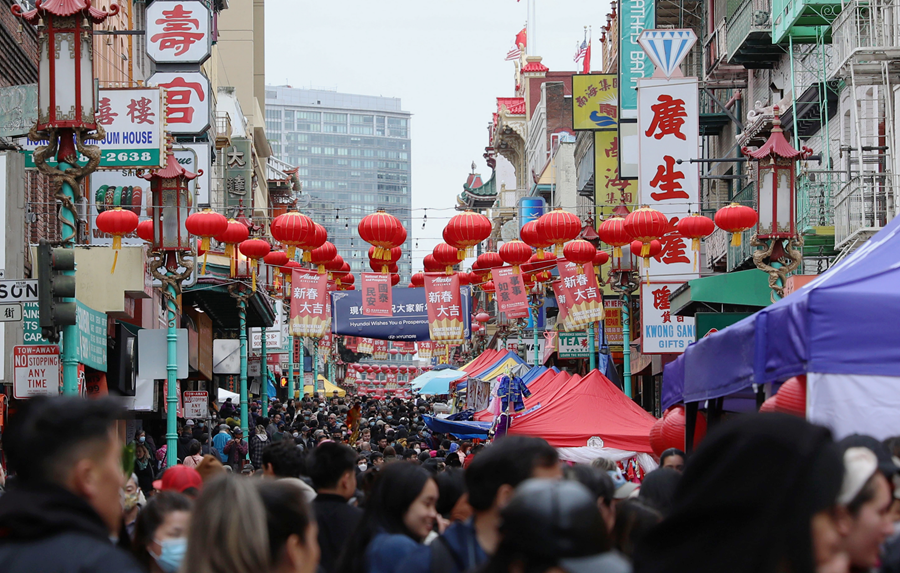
(334, 485)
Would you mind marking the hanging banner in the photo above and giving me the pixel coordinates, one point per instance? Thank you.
(381, 350)
(634, 17)
(510, 292)
(178, 32)
(583, 296)
(366, 346)
(425, 350)
(610, 190)
(351, 343)
(310, 306)
(562, 304)
(661, 332)
(409, 320)
(404, 347)
(445, 312)
(376, 289)
(613, 321)
(595, 101)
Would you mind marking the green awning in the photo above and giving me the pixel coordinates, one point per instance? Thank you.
(740, 291)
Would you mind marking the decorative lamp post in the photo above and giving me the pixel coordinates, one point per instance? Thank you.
(66, 108)
(171, 202)
(777, 231)
(625, 279)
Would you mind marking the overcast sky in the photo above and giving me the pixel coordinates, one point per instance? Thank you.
(445, 60)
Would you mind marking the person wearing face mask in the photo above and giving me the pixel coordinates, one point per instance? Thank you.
(133, 502)
(143, 468)
(141, 437)
(362, 464)
(160, 539)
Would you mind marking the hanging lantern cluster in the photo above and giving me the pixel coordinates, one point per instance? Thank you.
(557, 228)
(383, 231)
(540, 266)
(515, 253)
(735, 219)
(580, 252)
(466, 230)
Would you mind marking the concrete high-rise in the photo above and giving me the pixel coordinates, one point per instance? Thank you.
(353, 154)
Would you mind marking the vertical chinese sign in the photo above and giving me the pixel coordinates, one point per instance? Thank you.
(595, 102)
(583, 296)
(669, 138)
(425, 350)
(445, 321)
(563, 305)
(310, 307)
(376, 294)
(238, 174)
(510, 292)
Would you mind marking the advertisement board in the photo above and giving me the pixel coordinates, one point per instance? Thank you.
(595, 101)
(661, 332)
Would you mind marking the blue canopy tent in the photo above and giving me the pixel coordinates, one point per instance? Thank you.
(462, 430)
(437, 381)
(840, 327)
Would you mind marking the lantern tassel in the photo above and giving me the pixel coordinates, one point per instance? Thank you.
(203, 272)
(204, 244)
(516, 270)
(461, 253)
(384, 269)
(645, 251)
(540, 254)
(307, 256)
(117, 244)
(449, 270)
(579, 269)
(617, 252)
(736, 239)
(253, 266)
(321, 269)
(558, 249)
(291, 250)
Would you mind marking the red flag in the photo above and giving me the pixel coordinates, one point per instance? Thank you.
(587, 60)
(510, 292)
(561, 303)
(310, 304)
(584, 297)
(445, 320)
(376, 294)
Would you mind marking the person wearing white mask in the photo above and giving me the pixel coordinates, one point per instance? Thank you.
(160, 537)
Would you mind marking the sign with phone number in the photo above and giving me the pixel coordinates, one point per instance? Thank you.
(121, 159)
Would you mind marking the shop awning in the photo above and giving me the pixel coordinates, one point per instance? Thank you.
(730, 292)
(329, 388)
(211, 295)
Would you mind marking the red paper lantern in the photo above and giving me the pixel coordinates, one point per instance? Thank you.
(558, 227)
(395, 279)
(380, 267)
(489, 288)
(381, 230)
(463, 278)
(347, 279)
(736, 219)
(337, 264)
(695, 228)
(580, 252)
(255, 249)
(466, 230)
(539, 269)
(293, 229)
(601, 257)
(117, 222)
(236, 232)
(645, 225)
(417, 280)
(431, 265)
(791, 397)
(288, 270)
(530, 236)
(671, 430)
(322, 255)
(515, 253)
(276, 259)
(446, 256)
(474, 278)
(206, 224)
(768, 405)
(612, 232)
(487, 261)
(655, 247)
(482, 317)
(145, 230)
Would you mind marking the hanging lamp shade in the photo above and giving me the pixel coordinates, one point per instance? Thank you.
(466, 230)
(322, 255)
(292, 229)
(515, 253)
(580, 252)
(695, 227)
(381, 230)
(612, 232)
(446, 256)
(117, 222)
(530, 236)
(558, 227)
(735, 219)
(255, 249)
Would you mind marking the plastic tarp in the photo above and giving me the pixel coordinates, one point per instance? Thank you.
(440, 384)
(500, 358)
(462, 430)
(512, 365)
(450, 374)
(854, 404)
(843, 322)
(533, 386)
(486, 357)
(222, 394)
(329, 388)
(586, 408)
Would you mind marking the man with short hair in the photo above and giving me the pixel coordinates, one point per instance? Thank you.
(332, 468)
(284, 461)
(491, 480)
(66, 505)
(673, 458)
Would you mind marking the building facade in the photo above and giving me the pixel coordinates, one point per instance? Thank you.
(353, 158)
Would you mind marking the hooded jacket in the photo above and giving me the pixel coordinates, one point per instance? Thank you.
(49, 529)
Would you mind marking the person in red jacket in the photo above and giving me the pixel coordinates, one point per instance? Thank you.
(236, 450)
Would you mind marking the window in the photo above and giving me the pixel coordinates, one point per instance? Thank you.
(367, 119)
(335, 128)
(335, 118)
(362, 129)
(309, 115)
(342, 151)
(308, 127)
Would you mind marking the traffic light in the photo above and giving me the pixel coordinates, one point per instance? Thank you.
(53, 286)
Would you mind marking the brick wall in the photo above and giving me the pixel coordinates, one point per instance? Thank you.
(18, 49)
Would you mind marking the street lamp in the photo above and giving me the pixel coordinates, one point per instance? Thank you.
(625, 278)
(777, 231)
(170, 206)
(66, 108)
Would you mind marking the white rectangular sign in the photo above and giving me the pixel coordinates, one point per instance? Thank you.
(36, 371)
(187, 100)
(274, 339)
(669, 132)
(661, 331)
(19, 291)
(178, 32)
(196, 404)
(10, 312)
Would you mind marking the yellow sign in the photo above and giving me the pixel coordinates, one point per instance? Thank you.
(610, 190)
(595, 102)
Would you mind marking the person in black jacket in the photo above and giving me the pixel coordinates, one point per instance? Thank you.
(65, 506)
(332, 467)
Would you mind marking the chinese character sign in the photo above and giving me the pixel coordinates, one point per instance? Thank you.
(425, 350)
(669, 132)
(376, 292)
(595, 101)
(187, 100)
(310, 304)
(442, 300)
(562, 303)
(238, 173)
(610, 190)
(663, 332)
(510, 292)
(613, 321)
(178, 32)
(366, 346)
(583, 295)
(380, 349)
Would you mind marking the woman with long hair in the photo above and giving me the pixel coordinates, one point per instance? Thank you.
(399, 515)
(292, 531)
(160, 533)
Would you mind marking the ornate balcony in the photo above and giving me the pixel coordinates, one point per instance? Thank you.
(863, 206)
(749, 36)
(865, 34)
(805, 21)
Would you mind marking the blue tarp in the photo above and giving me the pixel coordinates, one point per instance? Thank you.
(462, 430)
(844, 322)
(439, 381)
(533, 374)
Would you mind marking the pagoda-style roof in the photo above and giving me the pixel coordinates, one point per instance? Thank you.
(477, 195)
(64, 8)
(172, 169)
(513, 105)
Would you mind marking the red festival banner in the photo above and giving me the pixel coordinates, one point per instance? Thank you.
(445, 320)
(380, 350)
(583, 296)
(510, 292)
(376, 294)
(425, 349)
(310, 304)
(562, 303)
(365, 346)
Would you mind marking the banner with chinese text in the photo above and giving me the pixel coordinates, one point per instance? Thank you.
(510, 292)
(376, 289)
(562, 304)
(365, 346)
(669, 132)
(583, 296)
(595, 101)
(425, 350)
(613, 321)
(380, 350)
(310, 304)
(445, 320)
(661, 332)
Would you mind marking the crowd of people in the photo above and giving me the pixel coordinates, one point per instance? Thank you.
(362, 486)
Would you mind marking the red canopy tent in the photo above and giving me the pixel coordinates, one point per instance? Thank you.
(584, 408)
(548, 379)
(487, 357)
